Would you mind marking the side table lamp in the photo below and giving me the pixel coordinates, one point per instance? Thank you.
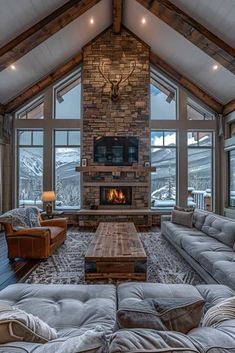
(48, 197)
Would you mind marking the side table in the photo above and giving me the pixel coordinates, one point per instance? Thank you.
(54, 214)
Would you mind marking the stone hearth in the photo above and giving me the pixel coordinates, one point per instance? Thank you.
(128, 116)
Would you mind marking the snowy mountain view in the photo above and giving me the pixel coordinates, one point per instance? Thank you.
(163, 192)
(67, 186)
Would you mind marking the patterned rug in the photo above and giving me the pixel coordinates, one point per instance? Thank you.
(66, 266)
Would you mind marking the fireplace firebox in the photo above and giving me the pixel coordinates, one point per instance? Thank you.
(115, 195)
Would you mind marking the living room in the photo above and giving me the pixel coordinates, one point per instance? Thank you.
(117, 176)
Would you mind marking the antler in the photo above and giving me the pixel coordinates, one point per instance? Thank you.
(101, 71)
(130, 73)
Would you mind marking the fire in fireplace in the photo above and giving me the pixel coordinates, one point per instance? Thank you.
(120, 195)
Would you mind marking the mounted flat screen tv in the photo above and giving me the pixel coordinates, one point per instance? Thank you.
(116, 150)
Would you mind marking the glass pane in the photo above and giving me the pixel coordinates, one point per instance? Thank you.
(157, 138)
(66, 178)
(38, 138)
(30, 169)
(61, 138)
(37, 112)
(163, 103)
(200, 178)
(169, 138)
(74, 138)
(25, 138)
(197, 112)
(205, 138)
(232, 178)
(68, 102)
(163, 181)
(192, 139)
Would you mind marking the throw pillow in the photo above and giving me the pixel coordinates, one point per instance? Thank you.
(174, 314)
(17, 325)
(92, 341)
(220, 312)
(22, 217)
(182, 218)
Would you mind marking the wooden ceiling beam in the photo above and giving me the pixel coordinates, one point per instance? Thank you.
(35, 35)
(192, 31)
(117, 16)
(43, 83)
(229, 107)
(186, 83)
(2, 109)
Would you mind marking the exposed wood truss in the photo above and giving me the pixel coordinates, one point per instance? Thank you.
(230, 107)
(186, 83)
(44, 83)
(42, 30)
(193, 31)
(2, 109)
(117, 16)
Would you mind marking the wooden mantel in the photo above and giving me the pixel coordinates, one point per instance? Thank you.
(115, 169)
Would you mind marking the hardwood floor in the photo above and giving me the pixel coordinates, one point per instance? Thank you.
(12, 272)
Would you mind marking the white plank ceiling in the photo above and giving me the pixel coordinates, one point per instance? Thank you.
(217, 15)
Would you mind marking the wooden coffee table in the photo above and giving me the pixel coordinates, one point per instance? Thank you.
(116, 253)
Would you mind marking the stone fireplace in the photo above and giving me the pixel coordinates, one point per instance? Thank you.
(115, 195)
(126, 183)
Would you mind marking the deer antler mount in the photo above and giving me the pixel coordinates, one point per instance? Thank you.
(115, 84)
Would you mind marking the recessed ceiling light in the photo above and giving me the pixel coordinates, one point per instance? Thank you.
(215, 67)
(143, 20)
(13, 67)
(92, 20)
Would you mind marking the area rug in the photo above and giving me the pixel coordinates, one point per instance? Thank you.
(66, 266)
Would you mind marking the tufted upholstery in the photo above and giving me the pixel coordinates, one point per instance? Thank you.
(211, 250)
(75, 309)
(71, 309)
(197, 340)
(220, 229)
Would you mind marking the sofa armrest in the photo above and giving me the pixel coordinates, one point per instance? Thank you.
(165, 218)
(58, 222)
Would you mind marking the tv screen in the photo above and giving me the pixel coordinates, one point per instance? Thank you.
(116, 150)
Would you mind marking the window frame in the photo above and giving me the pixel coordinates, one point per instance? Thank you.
(207, 147)
(156, 75)
(17, 154)
(54, 164)
(61, 85)
(176, 147)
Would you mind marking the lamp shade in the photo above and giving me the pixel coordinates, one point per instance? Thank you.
(48, 196)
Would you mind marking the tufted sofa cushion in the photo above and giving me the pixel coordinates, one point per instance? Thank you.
(70, 309)
(220, 229)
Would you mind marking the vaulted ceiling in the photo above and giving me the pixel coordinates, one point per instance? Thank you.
(180, 42)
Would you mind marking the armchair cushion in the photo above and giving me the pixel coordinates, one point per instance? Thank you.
(22, 218)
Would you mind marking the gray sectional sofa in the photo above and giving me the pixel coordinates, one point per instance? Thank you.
(89, 312)
(209, 246)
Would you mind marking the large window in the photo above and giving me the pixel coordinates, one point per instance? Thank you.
(231, 165)
(67, 180)
(67, 97)
(162, 98)
(163, 157)
(30, 167)
(200, 169)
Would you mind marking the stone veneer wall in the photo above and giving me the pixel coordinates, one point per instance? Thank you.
(129, 116)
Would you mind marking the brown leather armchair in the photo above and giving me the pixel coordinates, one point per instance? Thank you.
(36, 243)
